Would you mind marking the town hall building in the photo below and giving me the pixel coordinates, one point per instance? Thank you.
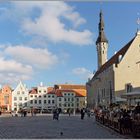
(117, 77)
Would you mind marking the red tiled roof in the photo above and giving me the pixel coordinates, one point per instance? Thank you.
(66, 90)
(51, 92)
(59, 92)
(79, 95)
(72, 86)
(114, 59)
(33, 91)
(50, 89)
(83, 92)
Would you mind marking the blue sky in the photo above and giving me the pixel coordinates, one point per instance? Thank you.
(54, 42)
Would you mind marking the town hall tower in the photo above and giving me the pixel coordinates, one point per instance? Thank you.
(101, 43)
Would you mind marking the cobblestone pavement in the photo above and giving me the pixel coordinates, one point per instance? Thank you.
(44, 127)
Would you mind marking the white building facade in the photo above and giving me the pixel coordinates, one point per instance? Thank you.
(40, 98)
(69, 99)
(20, 97)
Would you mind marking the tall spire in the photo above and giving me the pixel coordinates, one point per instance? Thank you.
(101, 37)
(101, 43)
(138, 22)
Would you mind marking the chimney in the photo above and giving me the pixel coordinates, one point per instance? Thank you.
(41, 84)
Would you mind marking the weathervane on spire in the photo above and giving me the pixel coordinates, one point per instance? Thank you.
(138, 22)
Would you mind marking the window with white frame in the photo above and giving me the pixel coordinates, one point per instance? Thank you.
(45, 101)
(49, 101)
(25, 104)
(77, 104)
(31, 101)
(53, 102)
(39, 101)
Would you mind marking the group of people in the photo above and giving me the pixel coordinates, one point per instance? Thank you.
(56, 113)
(22, 113)
(119, 112)
(123, 116)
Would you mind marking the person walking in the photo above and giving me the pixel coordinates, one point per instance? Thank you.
(55, 114)
(69, 112)
(82, 113)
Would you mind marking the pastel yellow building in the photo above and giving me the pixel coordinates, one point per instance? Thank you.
(116, 77)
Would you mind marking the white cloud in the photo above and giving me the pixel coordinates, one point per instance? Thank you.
(12, 78)
(12, 71)
(13, 66)
(50, 21)
(82, 73)
(44, 21)
(20, 62)
(37, 42)
(39, 58)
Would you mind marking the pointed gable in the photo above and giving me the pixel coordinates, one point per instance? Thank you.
(114, 59)
(20, 87)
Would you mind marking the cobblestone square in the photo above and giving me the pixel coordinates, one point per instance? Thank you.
(43, 126)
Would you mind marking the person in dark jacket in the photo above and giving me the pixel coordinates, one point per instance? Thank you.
(82, 113)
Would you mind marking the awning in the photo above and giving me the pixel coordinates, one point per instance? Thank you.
(25, 107)
(131, 95)
(119, 99)
(3, 106)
